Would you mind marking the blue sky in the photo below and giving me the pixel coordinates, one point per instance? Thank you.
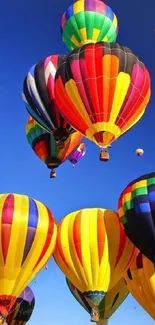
(30, 31)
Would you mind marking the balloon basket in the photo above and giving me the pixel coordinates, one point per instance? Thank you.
(95, 315)
(104, 156)
(53, 174)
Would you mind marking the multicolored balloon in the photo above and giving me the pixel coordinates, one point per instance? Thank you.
(78, 154)
(93, 252)
(39, 98)
(87, 21)
(108, 305)
(140, 280)
(102, 90)
(28, 238)
(136, 208)
(22, 310)
(139, 152)
(46, 148)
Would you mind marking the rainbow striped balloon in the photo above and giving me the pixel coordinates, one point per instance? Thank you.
(45, 147)
(28, 237)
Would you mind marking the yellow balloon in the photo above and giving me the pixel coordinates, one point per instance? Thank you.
(93, 251)
(28, 236)
(140, 280)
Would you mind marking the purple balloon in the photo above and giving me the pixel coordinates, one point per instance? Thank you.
(78, 154)
(27, 295)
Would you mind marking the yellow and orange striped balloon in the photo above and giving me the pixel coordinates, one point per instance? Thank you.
(93, 251)
(140, 280)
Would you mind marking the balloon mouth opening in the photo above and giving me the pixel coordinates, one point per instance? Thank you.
(94, 297)
(60, 135)
(53, 163)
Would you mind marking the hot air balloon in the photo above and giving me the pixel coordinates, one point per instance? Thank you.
(139, 152)
(102, 90)
(28, 237)
(45, 147)
(39, 98)
(23, 308)
(136, 208)
(140, 280)
(88, 21)
(93, 252)
(108, 305)
(78, 154)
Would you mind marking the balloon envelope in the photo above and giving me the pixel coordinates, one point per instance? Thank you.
(28, 237)
(102, 90)
(88, 21)
(93, 251)
(39, 98)
(45, 146)
(140, 280)
(139, 152)
(78, 154)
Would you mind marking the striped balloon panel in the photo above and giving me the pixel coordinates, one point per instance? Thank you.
(92, 249)
(38, 94)
(136, 207)
(28, 235)
(22, 310)
(109, 304)
(88, 21)
(140, 279)
(45, 146)
(102, 90)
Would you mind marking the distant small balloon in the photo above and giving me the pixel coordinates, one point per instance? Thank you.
(139, 152)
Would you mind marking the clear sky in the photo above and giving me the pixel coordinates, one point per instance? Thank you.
(30, 31)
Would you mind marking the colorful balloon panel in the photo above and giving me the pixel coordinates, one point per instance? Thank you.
(140, 279)
(28, 237)
(22, 310)
(87, 21)
(39, 98)
(45, 147)
(102, 90)
(109, 304)
(92, 250)
(136, 208)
